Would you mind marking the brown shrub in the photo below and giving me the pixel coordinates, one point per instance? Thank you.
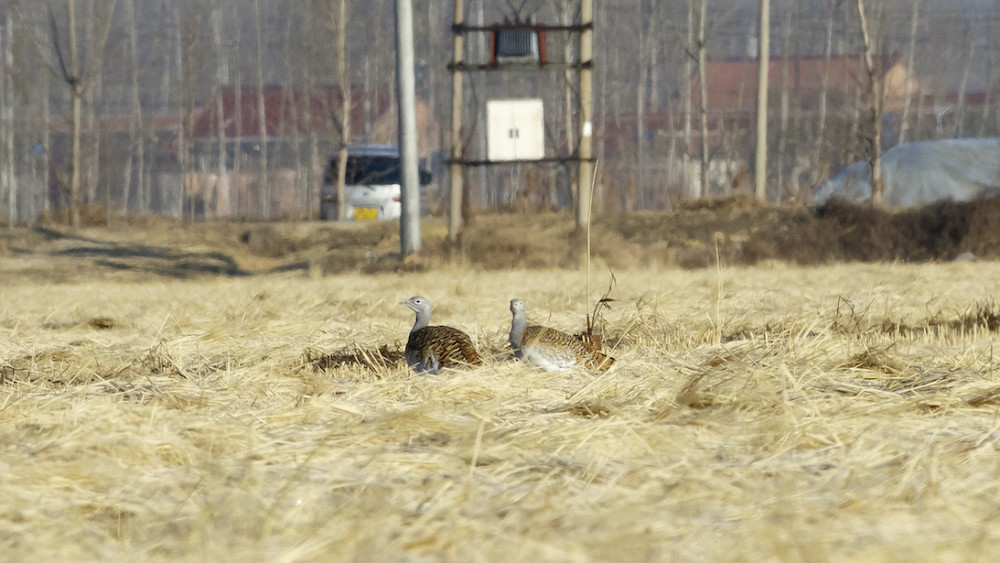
(264, 240)
(844, 231)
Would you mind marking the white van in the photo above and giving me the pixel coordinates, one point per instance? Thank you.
(371, 184)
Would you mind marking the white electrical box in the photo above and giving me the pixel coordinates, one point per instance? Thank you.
(515, 129)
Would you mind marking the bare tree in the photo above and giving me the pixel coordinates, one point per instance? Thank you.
(703, 87)
(221, 77)
(238, 188)
(875, 102)
(990, 102)
(264, 192)
(687, 89)
(642, 38)
(318, 20)
(344, 81)
(137, 139)
(79, 77)
(785, 103)
(8, 178)
(963, 85)
(46, 144)
(904, 127)
(993, 90)
(290, 118)
(565, 9)
(186, 43)
(763, 66)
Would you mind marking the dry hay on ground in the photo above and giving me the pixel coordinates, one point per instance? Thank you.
(844, 413)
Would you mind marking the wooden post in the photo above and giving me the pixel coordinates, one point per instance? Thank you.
(584, 177)
(457, 151)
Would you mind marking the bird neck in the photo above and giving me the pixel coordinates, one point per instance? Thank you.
(517, 326)
(423, 319)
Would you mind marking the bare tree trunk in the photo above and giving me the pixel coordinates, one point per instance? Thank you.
(763, 67)
(486, 186)
(565, 10)
(77, 80)
(786, 33)
(46, 87)
(221, 77)
(566, 16)
(76, 92)
(90, 136)
(703, 106)
(312, 141)
(640, 112)
(960, 117)
(344, 80)
(291, 114)
(601, 188)
(136, 139)
(824, 87)
(8, 178)
(920, 111)
(874, 103)
(309, 105)
(655, 13)
(185, 77)
(984, 118)
(688, 87)
(904, 127)
(264, 191)
(994, 89)
(652, 194)
(671, 178)
(241, 207)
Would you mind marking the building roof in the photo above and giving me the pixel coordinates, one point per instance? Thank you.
(732, 83)
(286, 111)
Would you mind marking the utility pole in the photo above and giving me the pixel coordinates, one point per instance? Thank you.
(763, 62)
(409, 222)
(585, 174)
(455, 212)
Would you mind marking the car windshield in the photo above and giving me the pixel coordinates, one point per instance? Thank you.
(367, 170)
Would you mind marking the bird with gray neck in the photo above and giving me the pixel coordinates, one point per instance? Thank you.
(551, 349)
(431, 348)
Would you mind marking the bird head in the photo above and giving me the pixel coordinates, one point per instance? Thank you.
(417, 304)
(516, 306)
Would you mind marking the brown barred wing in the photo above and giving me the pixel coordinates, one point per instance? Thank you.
(555, 350)
(434, 347)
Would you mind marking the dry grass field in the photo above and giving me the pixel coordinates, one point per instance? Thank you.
(765, 413)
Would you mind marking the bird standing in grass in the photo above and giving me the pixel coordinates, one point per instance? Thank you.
(551, 349)
(431, 348)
